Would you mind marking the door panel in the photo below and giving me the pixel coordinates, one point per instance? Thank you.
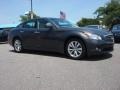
(28, 34)
(42, 37)
(29, 37)
(50, 40)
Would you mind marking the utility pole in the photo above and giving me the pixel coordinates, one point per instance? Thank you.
(31, 12)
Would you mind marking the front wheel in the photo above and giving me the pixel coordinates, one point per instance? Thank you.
(75, 49)
(17, 45)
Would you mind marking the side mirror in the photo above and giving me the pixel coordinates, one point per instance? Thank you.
(49, 25)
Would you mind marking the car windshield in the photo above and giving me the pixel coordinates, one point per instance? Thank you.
(63, 23)
(119, 27)
(116, 27)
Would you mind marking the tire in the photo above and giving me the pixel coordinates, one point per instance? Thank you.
(17, 44)
(75, 49)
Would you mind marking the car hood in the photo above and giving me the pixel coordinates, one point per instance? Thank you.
(98, 31)
(93, 31)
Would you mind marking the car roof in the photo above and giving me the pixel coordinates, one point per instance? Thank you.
(47, 18)
(43, 18)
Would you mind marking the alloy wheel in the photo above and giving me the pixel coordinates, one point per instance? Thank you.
(17, 45)
(74, 49)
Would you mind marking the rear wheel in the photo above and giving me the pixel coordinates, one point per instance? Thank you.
(17, 45)
(75, 49)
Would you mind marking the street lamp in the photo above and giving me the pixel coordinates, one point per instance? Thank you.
(31, 12)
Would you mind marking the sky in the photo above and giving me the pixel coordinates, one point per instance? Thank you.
(10, 10)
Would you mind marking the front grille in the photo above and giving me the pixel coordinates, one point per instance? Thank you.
(107, 49)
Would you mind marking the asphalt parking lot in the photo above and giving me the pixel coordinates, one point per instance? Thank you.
(33, 70)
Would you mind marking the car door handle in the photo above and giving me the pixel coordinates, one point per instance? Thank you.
(36, 32)
(21, 31)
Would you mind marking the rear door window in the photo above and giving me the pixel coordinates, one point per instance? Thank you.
(30, 24)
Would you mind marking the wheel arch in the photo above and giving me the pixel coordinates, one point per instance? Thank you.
(74, 37)
(16, 37)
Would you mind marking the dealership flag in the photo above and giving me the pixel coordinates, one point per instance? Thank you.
(62, 15)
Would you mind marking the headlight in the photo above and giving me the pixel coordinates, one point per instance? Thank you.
(93, 36)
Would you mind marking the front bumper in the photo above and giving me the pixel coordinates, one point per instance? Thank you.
(99, 47)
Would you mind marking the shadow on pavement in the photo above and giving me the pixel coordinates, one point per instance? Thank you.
(3, 42)
(98, 57)
(53, 54)
(117, 43)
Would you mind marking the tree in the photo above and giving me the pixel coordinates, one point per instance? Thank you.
(87, 21)
(27, 17)
(110, 13)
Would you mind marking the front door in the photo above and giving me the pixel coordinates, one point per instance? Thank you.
(48, 39)
(43, 34)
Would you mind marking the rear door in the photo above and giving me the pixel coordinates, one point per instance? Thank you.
(28, 34)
